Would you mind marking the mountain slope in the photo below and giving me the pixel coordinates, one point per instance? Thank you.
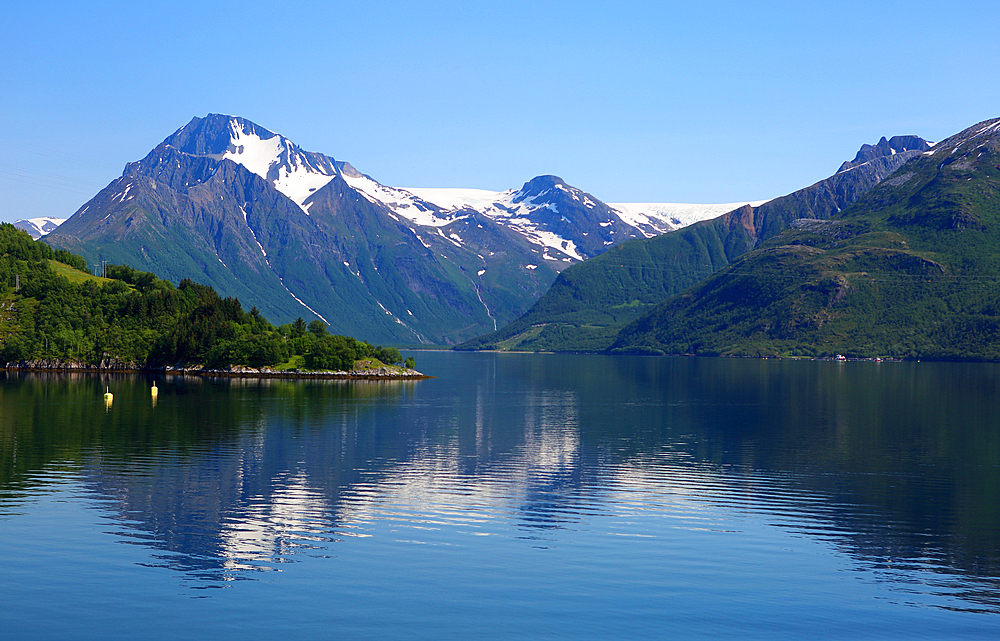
(296, 233)
(589, 303)
(910, 271)
(228, 203)
(568, 224)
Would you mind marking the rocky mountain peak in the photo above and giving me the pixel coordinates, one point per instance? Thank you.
(540, 185)
(213, 135)
(886, 147)
(291, 170)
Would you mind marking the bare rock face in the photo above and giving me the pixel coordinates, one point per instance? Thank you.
(883, 148)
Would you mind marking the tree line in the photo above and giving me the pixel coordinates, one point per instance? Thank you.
(52, 308)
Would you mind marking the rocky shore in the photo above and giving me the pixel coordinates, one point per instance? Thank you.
(373, 372)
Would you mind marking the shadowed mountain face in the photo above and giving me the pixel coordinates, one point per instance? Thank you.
(910, 271)
(589, 303)
(225, 202)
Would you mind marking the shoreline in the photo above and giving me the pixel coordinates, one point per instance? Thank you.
(237, 371)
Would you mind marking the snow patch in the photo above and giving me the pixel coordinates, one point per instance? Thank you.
(657, 218)
(402, 202)
(299, 300)
(279, 162)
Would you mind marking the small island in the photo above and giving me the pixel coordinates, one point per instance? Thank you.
(56, 315)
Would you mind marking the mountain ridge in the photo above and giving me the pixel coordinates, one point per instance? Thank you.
(910, 271)
(245, 210)
(589, 303)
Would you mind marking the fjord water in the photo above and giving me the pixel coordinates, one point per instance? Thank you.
(512, 496)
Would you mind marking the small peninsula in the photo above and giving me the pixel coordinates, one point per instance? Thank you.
(56, 315)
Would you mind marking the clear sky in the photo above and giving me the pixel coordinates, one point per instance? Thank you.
(704, 102)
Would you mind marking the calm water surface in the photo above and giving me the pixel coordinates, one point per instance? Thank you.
(513, 496)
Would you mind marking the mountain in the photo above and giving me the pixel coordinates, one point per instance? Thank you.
(547, 212)
(38, 227)
(589, 303)
(228, 203)
(651, 219)
(567, 224)
(295, 233)
(912, 270)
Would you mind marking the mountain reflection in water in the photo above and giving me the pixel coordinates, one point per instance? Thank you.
(895, 464)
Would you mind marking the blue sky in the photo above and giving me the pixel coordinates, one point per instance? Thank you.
(634, 102)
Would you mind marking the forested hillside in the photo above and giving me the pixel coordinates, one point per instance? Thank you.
(52, 308)
(590, 302)
(910, 271)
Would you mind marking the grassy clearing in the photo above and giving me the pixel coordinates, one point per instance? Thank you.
(296, 362)
(74, 275)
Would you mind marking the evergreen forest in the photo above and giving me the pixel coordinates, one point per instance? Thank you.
(53, 309)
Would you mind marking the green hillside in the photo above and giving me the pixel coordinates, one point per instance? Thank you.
(910, 271)
(590, 302)
(53, 309)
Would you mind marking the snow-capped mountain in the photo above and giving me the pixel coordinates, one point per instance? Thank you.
(525, 212)
(225, 202)
(292, 171)
(228, 203)
(654, 219)
(532, 211)
(38, 227)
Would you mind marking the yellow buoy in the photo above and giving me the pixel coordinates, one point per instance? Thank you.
(154, 391)
(108, 398)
